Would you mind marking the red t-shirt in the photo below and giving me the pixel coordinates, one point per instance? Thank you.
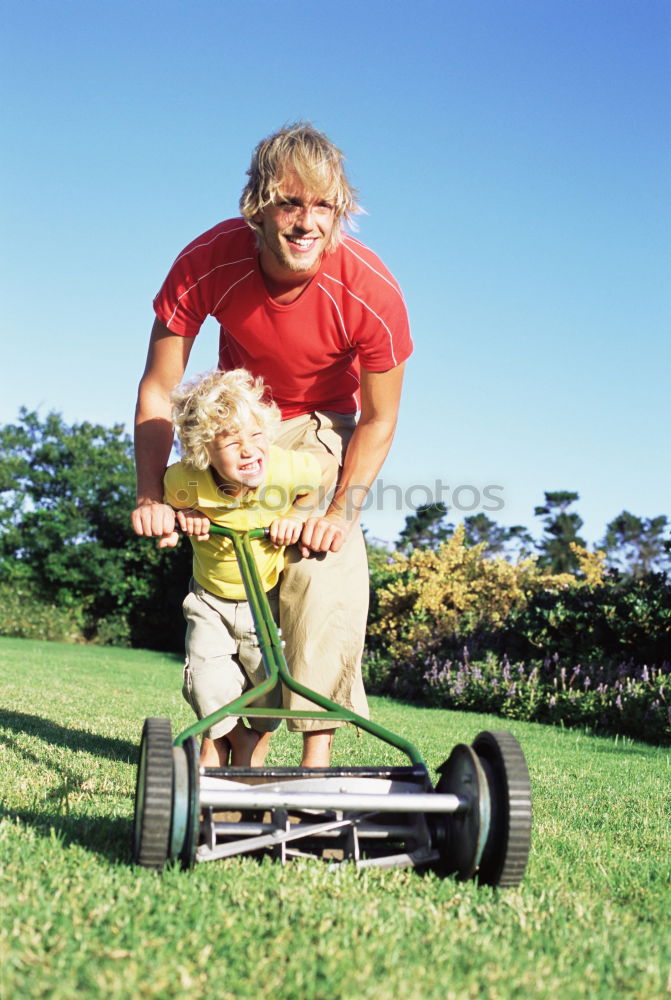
(352, 313)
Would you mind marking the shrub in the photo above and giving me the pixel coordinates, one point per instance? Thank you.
(25, 616)
(523, 628)
(433, 600)
(625, 698)
(615, 619)
(114, 630)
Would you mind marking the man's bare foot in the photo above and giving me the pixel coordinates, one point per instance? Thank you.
(214, 753)
(317, 748)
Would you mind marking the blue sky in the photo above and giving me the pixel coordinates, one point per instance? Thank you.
(514, 161)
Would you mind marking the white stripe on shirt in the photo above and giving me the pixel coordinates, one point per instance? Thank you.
(371, 268)
(371, 310)
(335, 305)
(190, 249)
(202, 278)
(228, 290)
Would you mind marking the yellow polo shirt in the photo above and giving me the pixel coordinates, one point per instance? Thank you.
(290, 474)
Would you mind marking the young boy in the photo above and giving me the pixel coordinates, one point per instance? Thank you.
(231, 475)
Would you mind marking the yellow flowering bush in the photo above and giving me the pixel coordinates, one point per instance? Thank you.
(454, 590)
(592, 566)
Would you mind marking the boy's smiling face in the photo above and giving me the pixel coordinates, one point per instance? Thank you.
(241, 457)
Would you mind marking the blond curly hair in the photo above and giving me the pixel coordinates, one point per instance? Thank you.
(219, 403)
(319, 165)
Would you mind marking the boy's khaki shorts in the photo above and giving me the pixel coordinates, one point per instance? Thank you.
(223, 659)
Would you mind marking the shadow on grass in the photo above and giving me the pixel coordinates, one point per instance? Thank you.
(105, 837)
(74, 739)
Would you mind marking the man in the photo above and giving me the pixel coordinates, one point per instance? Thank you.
(319, 317)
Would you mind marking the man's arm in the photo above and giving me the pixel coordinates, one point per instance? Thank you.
(166, 362)
(380, 399)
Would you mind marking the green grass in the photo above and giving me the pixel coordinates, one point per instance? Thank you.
(590, 920)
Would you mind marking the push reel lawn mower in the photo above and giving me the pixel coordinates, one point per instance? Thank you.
(475, 822)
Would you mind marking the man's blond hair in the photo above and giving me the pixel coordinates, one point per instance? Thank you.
(219, 403)
(316, 161)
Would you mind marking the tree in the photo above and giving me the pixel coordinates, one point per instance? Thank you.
(426, 528)
(66, 493)
(561, 529)
(499, 540)
(637, 545)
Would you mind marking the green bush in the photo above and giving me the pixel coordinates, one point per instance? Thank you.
(437, 602)
(112, 631)
(447, 625)
(618, 618)
(66, 493)
(623, 698)
(25, 616)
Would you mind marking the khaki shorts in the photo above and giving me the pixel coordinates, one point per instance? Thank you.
(223, 659)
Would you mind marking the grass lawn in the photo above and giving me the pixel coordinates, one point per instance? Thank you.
(592, 918)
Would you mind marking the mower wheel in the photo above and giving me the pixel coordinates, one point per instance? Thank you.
(460, 837)
(187, 855)
(506, 849)
(153, 795)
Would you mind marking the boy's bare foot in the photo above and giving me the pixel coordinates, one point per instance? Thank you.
(215, 753)
(317, 748)
(241, 747)
(260, 751)
(243, 742)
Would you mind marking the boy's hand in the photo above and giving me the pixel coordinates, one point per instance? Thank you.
(193, 523)
(285, 530)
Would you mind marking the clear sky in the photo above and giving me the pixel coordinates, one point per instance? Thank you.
(514, 159)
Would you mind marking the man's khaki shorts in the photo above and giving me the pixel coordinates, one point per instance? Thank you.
(324, 599)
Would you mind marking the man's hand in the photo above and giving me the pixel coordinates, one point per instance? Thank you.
(285, 530)
(323, 534)
(153, 518)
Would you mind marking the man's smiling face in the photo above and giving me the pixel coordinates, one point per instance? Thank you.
(295, 230)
